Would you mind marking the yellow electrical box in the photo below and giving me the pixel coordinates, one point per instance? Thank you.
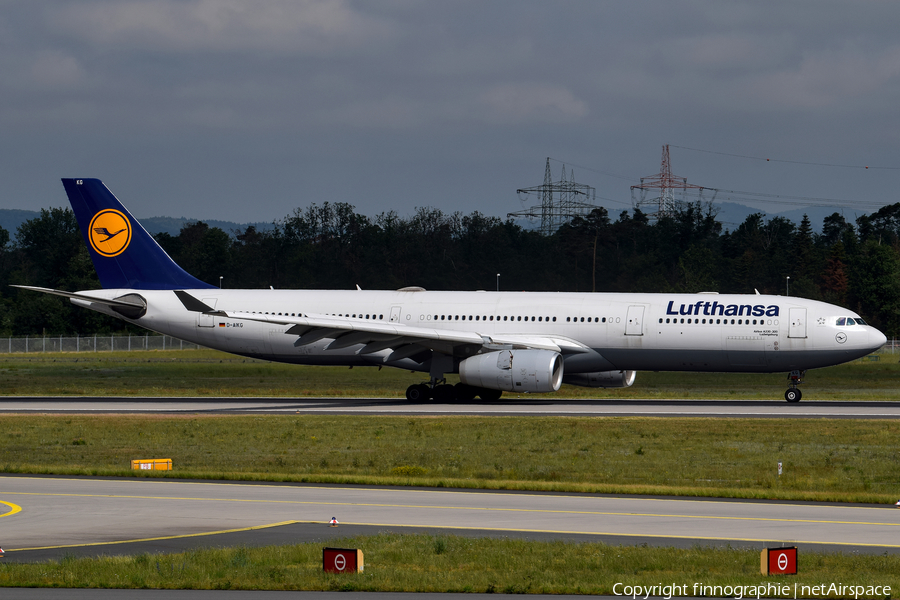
(152, 464)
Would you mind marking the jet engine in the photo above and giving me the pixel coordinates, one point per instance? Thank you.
(601, 379)
(514, 370)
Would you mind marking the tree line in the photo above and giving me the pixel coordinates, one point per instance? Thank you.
(331, 246)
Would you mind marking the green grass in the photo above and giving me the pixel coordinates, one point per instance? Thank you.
(824, 459)
(212, 373)
(423, 563)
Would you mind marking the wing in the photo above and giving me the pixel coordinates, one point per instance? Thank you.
(403, 340)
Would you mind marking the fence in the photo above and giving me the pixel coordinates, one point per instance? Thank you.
(94, 343)
(124, 343)
(891, 346)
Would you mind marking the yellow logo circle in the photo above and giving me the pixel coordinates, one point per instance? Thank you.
(110, 232)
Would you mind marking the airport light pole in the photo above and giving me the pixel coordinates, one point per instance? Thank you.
(220, 281)
(787, 286)
(498, 282)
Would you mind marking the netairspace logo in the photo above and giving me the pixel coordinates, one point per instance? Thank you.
(769, 590)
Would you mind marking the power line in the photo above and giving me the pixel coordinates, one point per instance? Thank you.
(616, 176)
(782, 160)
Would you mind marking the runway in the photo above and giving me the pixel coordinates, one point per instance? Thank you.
(46, 517)
(513, 407)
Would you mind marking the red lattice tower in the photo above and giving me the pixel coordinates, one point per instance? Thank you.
(667, 185)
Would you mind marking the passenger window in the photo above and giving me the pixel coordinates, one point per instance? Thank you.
(589, 319)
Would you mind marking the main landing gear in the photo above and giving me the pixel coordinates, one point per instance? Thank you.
(438, 390)
(793, 394)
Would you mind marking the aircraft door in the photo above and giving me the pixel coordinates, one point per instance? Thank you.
(395, 314)
(206, 320)
(634, 322)
(797, 328)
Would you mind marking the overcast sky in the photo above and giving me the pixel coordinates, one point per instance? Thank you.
(246, 109)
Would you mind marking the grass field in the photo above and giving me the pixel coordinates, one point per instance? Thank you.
(422, 563)
(212, 373)
(823, 459)
(841, 460)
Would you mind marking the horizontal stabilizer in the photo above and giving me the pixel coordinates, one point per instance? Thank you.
(117, 302)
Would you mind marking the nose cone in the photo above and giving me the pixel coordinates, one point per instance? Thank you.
(876, 339)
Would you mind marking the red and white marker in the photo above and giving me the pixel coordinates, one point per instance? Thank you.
(334, 522)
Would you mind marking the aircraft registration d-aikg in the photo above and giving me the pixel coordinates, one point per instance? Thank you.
(495, 341)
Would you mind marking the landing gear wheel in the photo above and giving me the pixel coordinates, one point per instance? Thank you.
(418, 393)
(489, 395)
(464, 393)
(793, 394)
(444, 393)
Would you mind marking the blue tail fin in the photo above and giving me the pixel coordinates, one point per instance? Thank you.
(124, 254)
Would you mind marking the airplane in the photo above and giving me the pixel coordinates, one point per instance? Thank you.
(496, 341)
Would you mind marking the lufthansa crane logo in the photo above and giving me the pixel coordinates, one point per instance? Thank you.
(110, 232)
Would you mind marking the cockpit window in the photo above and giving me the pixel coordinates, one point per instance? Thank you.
(847, 321)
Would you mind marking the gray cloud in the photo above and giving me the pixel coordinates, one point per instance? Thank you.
(247, 109)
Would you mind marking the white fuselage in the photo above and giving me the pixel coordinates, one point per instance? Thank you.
(658, 332)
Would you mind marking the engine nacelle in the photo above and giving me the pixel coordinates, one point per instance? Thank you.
(601, 379)
(514, 370)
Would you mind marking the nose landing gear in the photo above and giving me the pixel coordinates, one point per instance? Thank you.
(793, 393)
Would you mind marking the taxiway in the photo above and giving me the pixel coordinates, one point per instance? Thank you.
(51, 516)
(513, 407)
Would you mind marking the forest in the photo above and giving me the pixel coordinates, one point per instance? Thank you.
(331, 246)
